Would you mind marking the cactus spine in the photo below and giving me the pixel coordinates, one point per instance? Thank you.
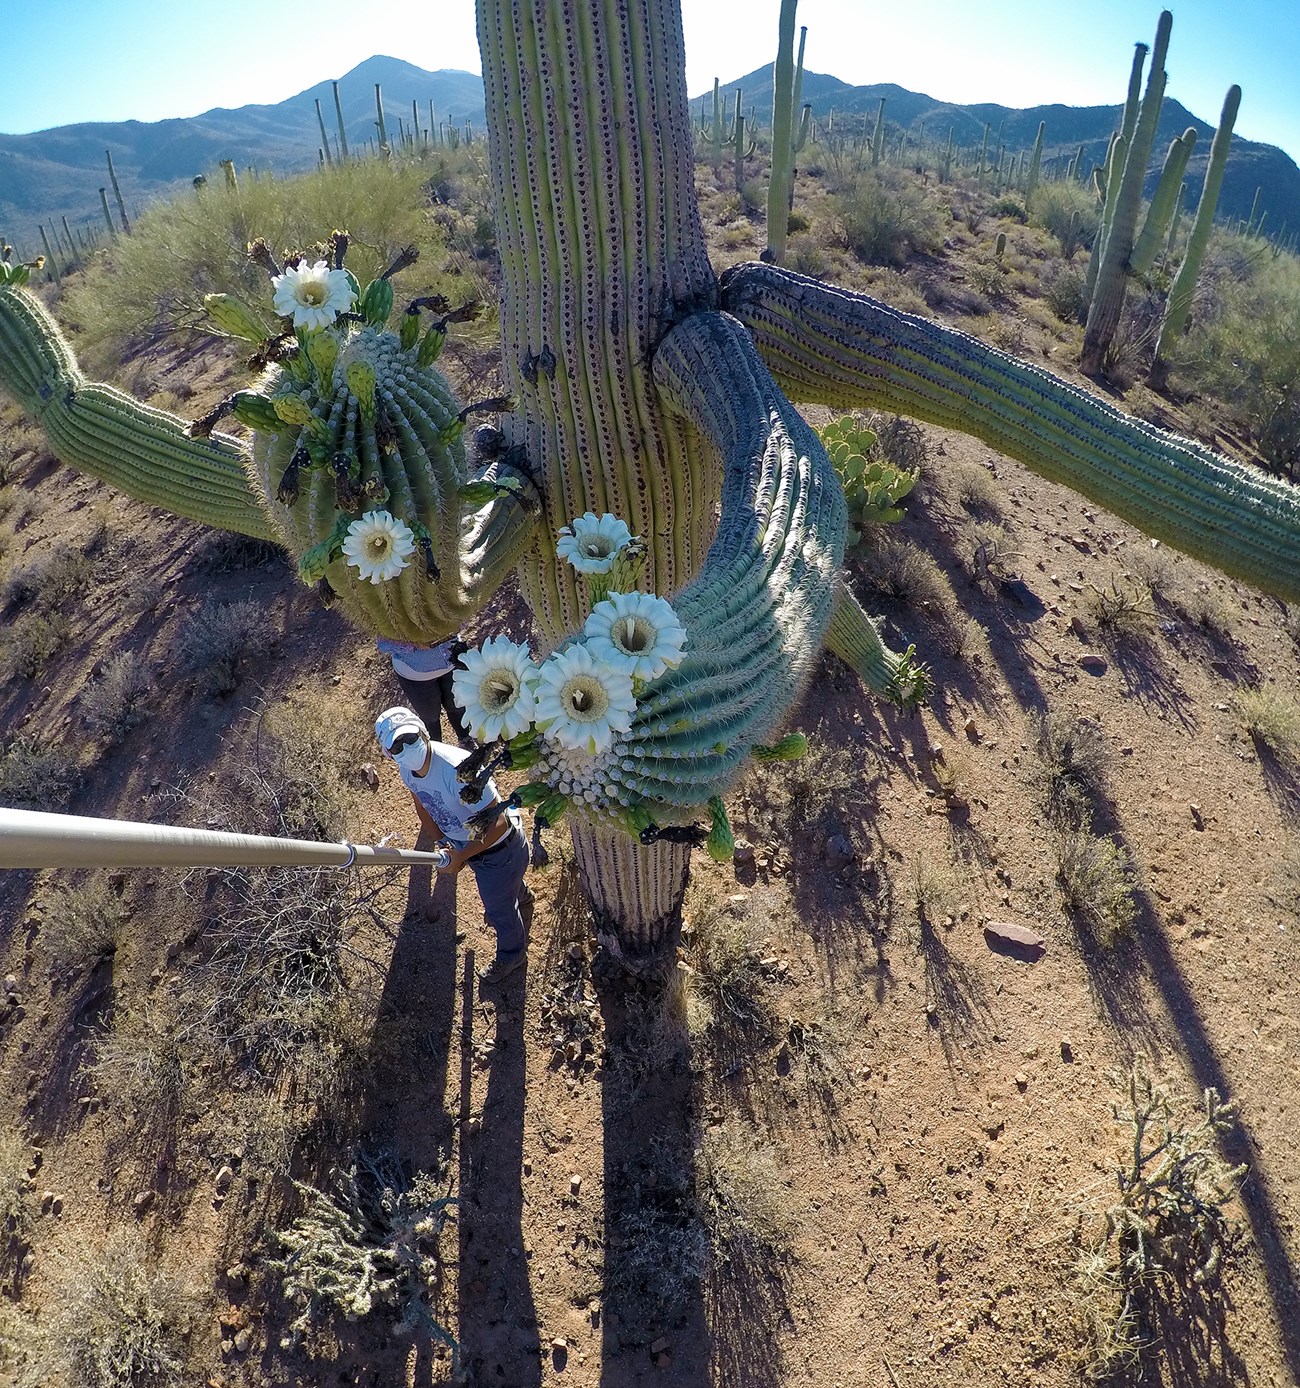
(1180, 292)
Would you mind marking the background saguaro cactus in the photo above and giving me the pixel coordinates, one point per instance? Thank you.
(647, 389)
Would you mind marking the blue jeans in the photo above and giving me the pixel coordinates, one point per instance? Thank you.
(499, 874)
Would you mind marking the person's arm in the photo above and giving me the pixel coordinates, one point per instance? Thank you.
(499, 829)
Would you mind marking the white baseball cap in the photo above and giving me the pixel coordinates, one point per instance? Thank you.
(394, 722)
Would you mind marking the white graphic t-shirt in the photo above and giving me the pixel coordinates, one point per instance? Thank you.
(438, 791)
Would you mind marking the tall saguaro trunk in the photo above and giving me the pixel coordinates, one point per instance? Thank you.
(601, 253)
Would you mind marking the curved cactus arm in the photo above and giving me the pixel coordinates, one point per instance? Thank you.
(832, 347)
(1155, 230)
(899, 678)
(756, 615)
(146, 453)
(495, 537)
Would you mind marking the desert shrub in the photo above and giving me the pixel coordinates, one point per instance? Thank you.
(81, 923)
(118, 1321)
(825, 786)
(886, 216)
(151, 284)
(1068, 209)
(741, 1191)
(1122, 608)
(975, 490)
(31, 640)
(1009, 206)
(36, 777)
(224, 552)
(1095, 876)
(50, 579)
(992, 555)
(988, 279)
(1272, 719)
(806, 257)
(149, 1062)
(219, 640)
(370, 1244)
(1072, 756)
(1066, 294)
(16, 1205)
(725, 976)
(1244, 348)
(1154, 1276)
(118, 701)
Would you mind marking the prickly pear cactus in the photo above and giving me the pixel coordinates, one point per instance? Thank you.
(873, 486)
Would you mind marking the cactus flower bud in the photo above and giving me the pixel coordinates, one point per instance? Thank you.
(233, 316)
(360, 377)
(790, 748)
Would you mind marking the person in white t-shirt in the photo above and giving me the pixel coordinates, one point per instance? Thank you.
(498, 857)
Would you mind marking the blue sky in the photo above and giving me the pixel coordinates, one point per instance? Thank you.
(72, 60)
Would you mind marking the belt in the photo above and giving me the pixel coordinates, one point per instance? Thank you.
(502, 842)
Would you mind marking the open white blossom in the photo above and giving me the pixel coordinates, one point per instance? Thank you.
(636, 631)
(582, 704)
(591, 543)
(314, 295)
(378, 546)
(496, 689)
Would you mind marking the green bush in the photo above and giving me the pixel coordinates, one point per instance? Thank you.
(36, 777)
(1244, 347)
(150, 285)
(1069, 211)
(886, 216)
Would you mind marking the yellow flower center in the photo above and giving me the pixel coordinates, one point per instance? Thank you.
(377, 546)
(312, 293)
(585, 699)
(498, 693)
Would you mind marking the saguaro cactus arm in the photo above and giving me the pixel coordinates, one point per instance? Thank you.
(842, 349)
(146, 453)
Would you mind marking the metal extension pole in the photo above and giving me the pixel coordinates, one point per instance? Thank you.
(34, 839)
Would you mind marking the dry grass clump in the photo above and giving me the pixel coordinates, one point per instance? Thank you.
(1095, 876)
(118, 1321)
(1154, 1277)
(742, 1195)
(81, 923)
(1072, 756)
(119, 700)
(1122, 609)
(36, 777)
(220, 641)
(725, 983)
(827, 785)
(1271, 719)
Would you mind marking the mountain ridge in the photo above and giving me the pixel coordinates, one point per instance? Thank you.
(50, 174)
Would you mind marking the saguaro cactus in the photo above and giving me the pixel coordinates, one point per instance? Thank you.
(1115, 242)
(646, 389)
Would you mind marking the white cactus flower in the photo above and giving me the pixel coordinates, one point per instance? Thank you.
(591, 543)
(314, 295)
(636, 631)
(496, 689)
(378, 546)
(582, 704)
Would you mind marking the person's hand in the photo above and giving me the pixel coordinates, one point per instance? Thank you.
(455, 861)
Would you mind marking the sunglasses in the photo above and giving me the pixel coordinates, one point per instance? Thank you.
(406, 740)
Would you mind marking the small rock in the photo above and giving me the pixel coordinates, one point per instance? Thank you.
(1080, 544)
(225, 1179)
(1091, 662)
(237, 1274)
(11, 983)
(56, 1205)
(47, 1199)
(1022, 1080)
(663, 1360)
(144, 1201)
(370, 775)
(1197, 821)
(839, 852)
(971, 729)
(659, 1345)
(575, 1185)
(1079, 628)
(1067, 1051)
(1017, 940)
(744, 854)
(243, 1341)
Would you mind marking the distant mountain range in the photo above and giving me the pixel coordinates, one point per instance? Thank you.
(58, 173)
